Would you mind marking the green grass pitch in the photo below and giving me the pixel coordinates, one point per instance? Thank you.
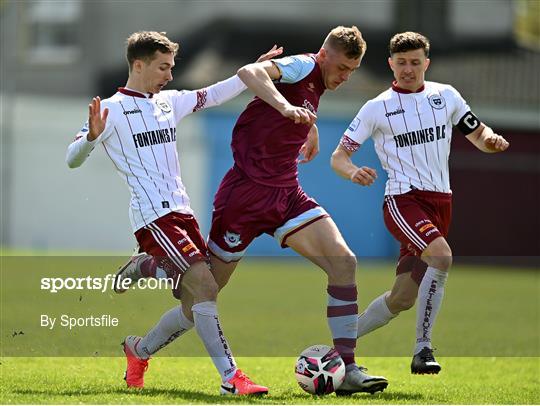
(487, 336)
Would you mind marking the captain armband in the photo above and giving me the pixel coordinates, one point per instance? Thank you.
(468, 123)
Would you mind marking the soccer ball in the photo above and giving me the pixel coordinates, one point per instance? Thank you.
(320, 370)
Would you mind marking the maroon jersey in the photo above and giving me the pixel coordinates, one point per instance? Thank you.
(265, 144)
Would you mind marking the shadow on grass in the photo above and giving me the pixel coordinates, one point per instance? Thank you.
(389, 396)
(364, 396)
(174, 394)
(194, 396)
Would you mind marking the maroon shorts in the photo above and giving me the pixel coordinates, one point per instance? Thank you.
(415, 219)
(244, 209)
(174, 237)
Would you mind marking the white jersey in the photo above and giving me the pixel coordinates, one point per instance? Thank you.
(140, 139)
(412, 134)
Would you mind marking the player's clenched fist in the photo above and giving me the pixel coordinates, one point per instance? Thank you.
(96, 119)
(300, 115)
(364, 176)
(496, 143)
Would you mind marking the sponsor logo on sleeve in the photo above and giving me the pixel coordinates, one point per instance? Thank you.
(83, 130)
(354, 124)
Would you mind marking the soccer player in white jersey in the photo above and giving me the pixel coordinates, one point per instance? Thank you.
(137, 128)
(411, 126)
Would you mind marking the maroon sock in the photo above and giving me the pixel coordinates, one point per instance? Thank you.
(342, 313)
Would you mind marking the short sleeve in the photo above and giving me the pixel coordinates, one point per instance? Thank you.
(294, 68)
(460, 106)
(361, 127)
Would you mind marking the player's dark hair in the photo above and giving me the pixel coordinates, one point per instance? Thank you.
(348, 40)
(144, 44)
(408, 41)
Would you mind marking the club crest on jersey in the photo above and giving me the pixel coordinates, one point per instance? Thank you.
(163, 106)
(232, 239)
(437, 101)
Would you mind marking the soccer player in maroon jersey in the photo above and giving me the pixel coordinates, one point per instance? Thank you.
(411, 126)
(261, 194)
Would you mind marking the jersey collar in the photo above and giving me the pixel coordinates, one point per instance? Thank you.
(129, 92)
(395, 88)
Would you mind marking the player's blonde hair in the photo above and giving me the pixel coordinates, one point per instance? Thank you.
(347, 40)
(144, 44)
(408, 41)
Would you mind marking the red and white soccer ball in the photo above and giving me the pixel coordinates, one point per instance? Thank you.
(320, 370)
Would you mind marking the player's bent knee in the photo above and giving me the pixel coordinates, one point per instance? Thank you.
(342, 269)
(350, 263)
(441, 262)
(207, 289)
(200, 282)
(446, 262)
(438, 255)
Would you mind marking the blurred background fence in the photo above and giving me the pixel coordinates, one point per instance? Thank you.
(56, 55)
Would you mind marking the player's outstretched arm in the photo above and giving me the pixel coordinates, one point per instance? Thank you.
(220, 92)
(258, 78)
(486, 140)
(342, 164)
(85, 141)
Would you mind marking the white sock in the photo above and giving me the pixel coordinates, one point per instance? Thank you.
(211, 334)
(430, 295)
(376, 315)
(172, 325)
